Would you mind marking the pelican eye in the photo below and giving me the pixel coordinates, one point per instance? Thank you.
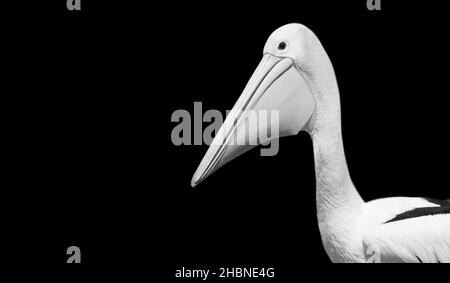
(282, 45)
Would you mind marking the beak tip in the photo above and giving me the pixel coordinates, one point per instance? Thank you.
(194, 182)
(197, 178)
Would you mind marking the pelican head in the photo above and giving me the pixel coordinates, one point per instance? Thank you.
(282, 85)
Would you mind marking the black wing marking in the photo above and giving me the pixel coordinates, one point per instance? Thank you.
(444, 208)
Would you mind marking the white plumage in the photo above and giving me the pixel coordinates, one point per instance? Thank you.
(296, 78)
(418, 239)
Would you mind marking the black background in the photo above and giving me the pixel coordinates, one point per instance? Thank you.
(92, 93)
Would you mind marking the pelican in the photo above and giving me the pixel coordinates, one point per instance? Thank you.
(296, 78)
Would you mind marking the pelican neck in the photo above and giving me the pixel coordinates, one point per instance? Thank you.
(335, 191)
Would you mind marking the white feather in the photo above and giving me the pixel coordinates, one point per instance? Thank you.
(419, 239)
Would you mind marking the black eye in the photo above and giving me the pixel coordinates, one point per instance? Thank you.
(282, 45)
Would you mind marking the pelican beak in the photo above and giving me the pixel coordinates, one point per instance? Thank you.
(276, 90)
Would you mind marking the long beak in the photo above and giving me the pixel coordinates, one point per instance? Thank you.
(266, 90)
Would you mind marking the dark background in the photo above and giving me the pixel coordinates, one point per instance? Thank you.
(91, 93)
